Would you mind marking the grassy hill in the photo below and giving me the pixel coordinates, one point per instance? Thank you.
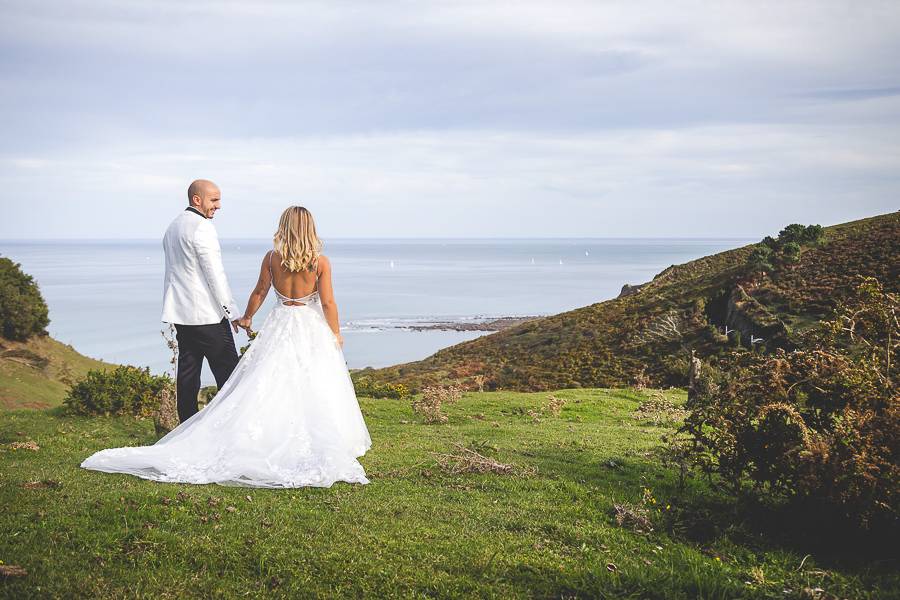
(419, 528)
(652, 331)
(37, 373)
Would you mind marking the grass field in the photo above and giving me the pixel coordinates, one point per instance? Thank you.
(416, 530)
(37, 373)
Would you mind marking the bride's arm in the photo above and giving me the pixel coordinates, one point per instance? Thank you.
(326, 296)
(258, 295)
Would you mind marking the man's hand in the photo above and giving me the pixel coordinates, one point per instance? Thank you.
(235, 324)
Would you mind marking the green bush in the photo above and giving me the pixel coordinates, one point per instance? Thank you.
(23, 312)
(790, 253)
(761, 258)
(373, 389)
(786, 249)
(808, 235)
(124, 390)
(818, 426)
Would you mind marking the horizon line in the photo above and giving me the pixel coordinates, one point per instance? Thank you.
(391, 238)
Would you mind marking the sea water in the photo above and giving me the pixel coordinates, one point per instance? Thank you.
(105, 296)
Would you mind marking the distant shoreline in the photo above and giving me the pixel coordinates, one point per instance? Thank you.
(492, 325)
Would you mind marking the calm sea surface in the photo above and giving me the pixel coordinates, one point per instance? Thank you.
(105, 297)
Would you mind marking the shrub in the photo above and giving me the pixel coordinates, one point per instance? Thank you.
(23, 312)
(790, 253)
(786, 249)
(637, 517)
(364, 386)
(820, 426)
(124, 390)
(761, 258)
(659, 410)
(808, 235)
(554, 405)
(432, 399)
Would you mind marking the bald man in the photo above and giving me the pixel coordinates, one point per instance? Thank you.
(197, 298)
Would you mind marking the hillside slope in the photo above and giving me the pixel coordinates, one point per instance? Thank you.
(37, 373)
(650, 332)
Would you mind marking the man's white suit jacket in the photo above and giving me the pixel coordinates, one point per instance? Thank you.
(196, 290)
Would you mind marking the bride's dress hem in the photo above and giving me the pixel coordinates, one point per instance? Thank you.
(232, 480)
(287, 417)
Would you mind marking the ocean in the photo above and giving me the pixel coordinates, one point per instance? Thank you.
(105, 296)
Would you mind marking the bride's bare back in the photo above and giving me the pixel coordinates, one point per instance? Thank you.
(293, 286)
(294, 289)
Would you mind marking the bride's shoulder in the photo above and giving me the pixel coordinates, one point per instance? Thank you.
(322, 263)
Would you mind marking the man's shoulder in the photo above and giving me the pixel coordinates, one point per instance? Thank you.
(187, 225)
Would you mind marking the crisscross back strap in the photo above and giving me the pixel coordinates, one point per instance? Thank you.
(282, 296)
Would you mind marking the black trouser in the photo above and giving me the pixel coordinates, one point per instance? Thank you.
(216, 343)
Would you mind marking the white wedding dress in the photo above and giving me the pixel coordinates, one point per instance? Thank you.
(287, 417)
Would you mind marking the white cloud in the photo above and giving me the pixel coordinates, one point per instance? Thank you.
(449, 118)
(477, 183)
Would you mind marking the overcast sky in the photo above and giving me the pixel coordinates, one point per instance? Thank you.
(449, 119)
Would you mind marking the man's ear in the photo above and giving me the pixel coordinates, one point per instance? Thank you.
(192, 200)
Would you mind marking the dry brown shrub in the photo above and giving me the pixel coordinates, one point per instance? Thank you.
(43, 484)
(554, 405)
(29, 445)
(467, 460)
(429, 403)
(659, 410)
(632, 516)
(636, 516)
(641, 380)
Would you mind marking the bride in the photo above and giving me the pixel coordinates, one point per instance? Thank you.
(288, 415)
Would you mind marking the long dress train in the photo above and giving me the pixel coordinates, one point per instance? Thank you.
(287, 417)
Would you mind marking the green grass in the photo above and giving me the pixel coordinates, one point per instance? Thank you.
(414, 531)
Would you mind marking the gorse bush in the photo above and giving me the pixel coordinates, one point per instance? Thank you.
(23, 312)
(124, 390)
(364, 386)
(820, 426)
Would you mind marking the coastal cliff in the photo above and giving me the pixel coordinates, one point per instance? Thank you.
(649, 331)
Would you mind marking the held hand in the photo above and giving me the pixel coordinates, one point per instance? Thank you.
(245, 323)
(234, 324)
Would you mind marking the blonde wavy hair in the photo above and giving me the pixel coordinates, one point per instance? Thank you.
(296, 240)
